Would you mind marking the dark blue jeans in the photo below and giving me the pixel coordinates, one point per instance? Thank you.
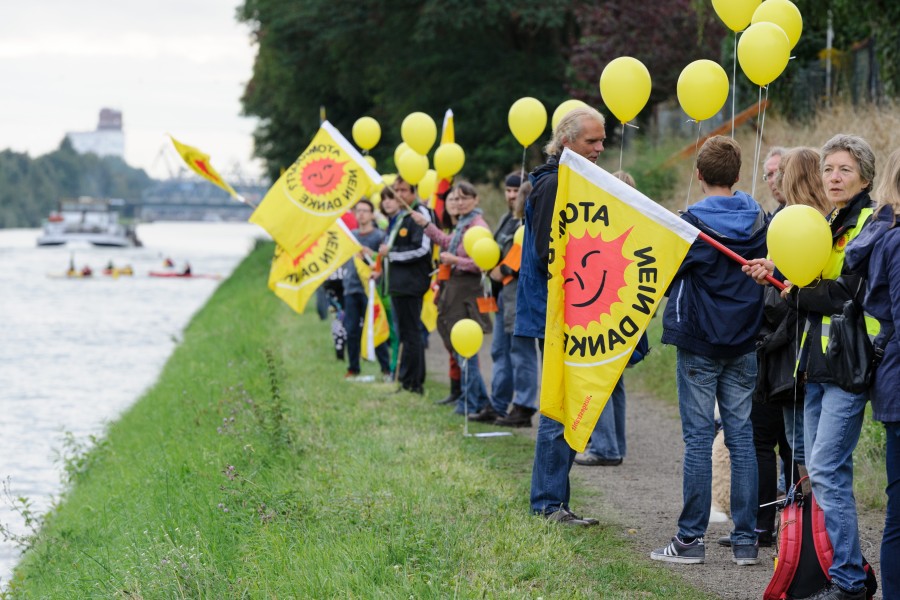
(354, 313)
(890, 542)
(608, 438)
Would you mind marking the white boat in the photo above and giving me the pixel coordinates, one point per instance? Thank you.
(89, 220)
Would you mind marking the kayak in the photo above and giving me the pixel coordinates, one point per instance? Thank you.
(118, 272)
(184, 275)
(77, 275)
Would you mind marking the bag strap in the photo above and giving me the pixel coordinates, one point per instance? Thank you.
(821, 541)
(790, 538)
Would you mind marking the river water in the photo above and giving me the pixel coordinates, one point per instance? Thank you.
(76, 353)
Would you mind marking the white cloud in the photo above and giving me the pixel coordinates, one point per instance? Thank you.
(169, 66)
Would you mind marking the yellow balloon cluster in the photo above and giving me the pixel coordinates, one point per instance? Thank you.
(366, 132)
(473, 235)
(419, 132)
(625, 87)
(736, 14)
(449, 160)
(702, 89)
(427, 184)
(398, 152)
(527, 120)
(486, 253)
(563, 109)
(799, 242)
(763, 52)
(466, 337)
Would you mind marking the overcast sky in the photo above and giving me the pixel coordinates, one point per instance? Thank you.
(170, 66)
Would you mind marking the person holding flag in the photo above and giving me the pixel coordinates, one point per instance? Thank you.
(713, 317)
(355, 291)
(408, 252)
(582, 131)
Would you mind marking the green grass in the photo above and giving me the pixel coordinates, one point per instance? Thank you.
(252, 470)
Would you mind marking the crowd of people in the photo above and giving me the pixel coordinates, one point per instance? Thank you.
(754, 353)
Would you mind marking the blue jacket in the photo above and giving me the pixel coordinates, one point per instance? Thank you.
(876, 252)
(531, 294)
(714, 309)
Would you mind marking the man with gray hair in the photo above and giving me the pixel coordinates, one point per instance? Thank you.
(770, 172)
(582, 131)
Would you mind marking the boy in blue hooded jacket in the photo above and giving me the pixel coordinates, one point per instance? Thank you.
(713, 316)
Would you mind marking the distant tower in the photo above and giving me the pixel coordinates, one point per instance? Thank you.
(107, 140)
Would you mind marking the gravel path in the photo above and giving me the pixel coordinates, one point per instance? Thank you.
(643, 495)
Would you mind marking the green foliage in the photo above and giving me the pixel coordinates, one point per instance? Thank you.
(387, 58)
(31, 188)
(376, 495)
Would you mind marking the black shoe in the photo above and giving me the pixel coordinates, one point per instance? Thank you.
(588, 459)
(455, 392)
(834, 592)
(485, 415)
(519, 416)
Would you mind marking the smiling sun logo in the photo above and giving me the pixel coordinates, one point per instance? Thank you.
(322, 176)
(593, 275)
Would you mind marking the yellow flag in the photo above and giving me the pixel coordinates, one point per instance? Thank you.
(429, 310)
(294, 280)
(376, 330)
(199, 163)
(613, 253)
(326, 180)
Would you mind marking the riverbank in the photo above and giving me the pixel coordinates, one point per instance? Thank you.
(251, 469)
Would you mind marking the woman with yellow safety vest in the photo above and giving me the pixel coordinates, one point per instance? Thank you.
(833, 417)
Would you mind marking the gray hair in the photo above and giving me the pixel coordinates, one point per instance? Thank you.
(569, 128)
(775, 151)
(856, 147)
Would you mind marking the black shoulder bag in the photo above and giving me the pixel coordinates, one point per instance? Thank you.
(850, 355)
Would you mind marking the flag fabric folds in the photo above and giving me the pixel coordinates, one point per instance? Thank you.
(376, 329)
(322, 184)
(613, 253)
(198, 162)
(294, 280)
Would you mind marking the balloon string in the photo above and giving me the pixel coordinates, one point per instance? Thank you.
(756, 154)
(687, 201)
(622, 146)
(522, 171)
(733, 83)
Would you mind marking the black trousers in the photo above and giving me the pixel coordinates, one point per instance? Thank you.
(768, 432)
(408, 316)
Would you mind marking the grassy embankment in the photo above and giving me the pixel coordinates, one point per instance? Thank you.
(253, 470)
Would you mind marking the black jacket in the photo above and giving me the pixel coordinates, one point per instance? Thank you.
(410, 257)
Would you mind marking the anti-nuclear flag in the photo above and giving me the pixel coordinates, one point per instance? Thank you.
(613, 253)
(376, 330)
(294, 280)
(198, 162)
(326, 180)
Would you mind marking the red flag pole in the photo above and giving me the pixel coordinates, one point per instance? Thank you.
(737, 258)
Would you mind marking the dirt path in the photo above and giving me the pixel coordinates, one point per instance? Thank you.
(643, 495)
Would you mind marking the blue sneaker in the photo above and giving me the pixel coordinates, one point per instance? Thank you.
(745, 554)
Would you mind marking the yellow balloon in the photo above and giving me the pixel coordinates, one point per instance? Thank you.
(466, 337)
(735, 14)
(366, 132)
(371, 160)
(702, 89)
(564, 109)
(486, 254)
(412, 166)
(473, 235)
(799, 242)
(625, 87)
(764, 52)
(398, 152)
(389, 178)
(527, 120)
(427, 185)
(449, 160)
(519, 235)
(783, 13)
(419, 132)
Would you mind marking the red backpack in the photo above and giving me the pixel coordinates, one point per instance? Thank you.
(804, 551)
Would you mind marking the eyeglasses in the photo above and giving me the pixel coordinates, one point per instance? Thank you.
(461, 197)
(767, 176)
